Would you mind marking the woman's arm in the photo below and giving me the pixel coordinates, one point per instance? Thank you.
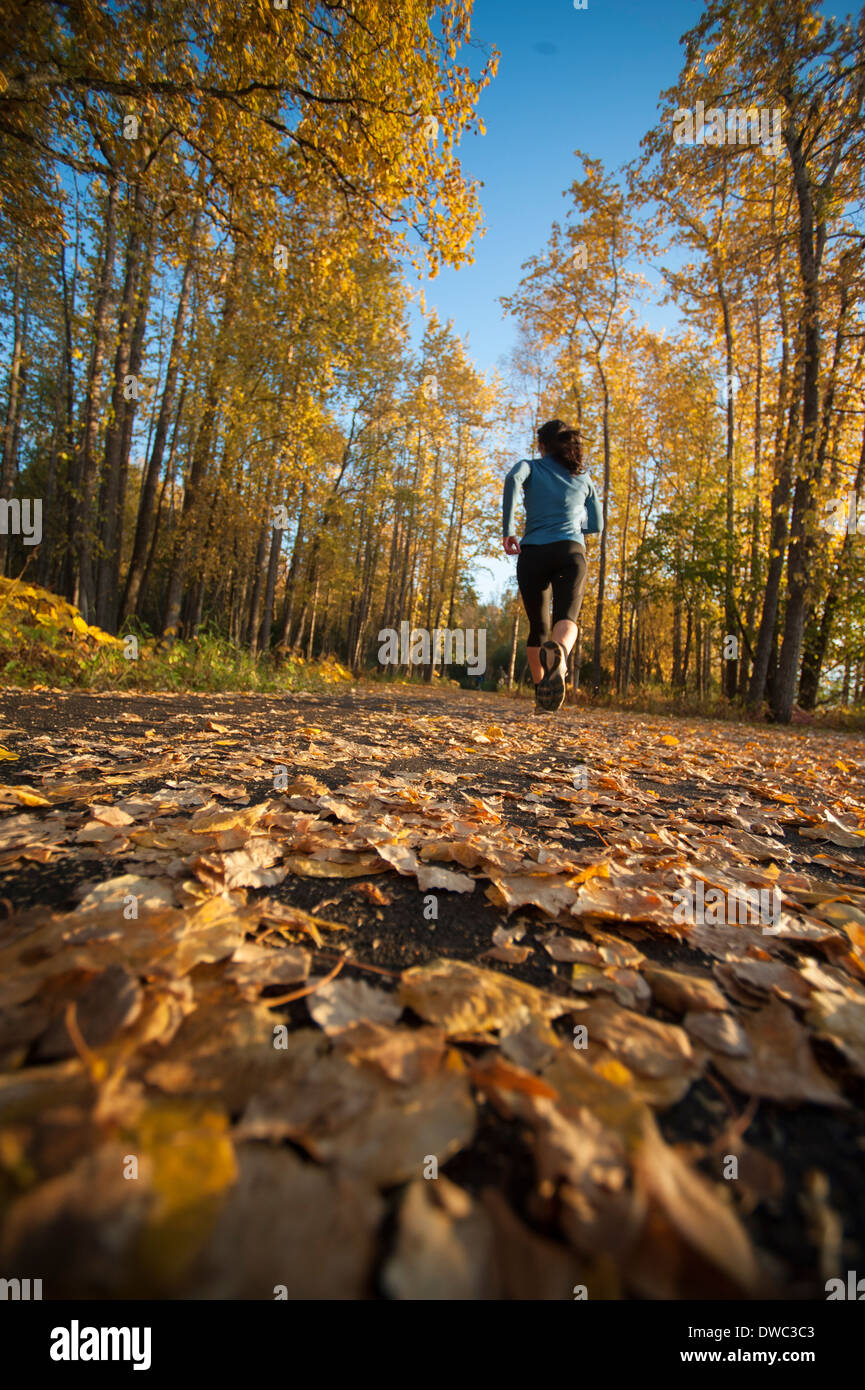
(515, 478)
(594, 523)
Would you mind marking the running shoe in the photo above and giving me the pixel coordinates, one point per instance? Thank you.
(550, 689)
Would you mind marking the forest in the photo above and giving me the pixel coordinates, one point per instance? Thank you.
(208, 213)
(332, 966)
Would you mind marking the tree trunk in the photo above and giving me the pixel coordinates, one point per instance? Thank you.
(780, 505)
(515, 637)
(7, 465)
(150, 480)
(815, 653)
(291, 575)
(730, 666)
(811, 242)
(270, 590)
(602, 557)
(200, 460)
(87, 470)
(813, 642)
(754, 564)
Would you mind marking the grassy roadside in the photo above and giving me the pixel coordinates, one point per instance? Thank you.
(45, 642)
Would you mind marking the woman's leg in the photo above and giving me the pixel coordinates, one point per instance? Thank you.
(547, 656)
(567, 571)
(565, 633)
(568, 585)
(534, 662)
(535, 592)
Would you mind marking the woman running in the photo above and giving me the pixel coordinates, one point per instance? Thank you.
(561, 507)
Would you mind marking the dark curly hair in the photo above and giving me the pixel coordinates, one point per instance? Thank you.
(563, 444)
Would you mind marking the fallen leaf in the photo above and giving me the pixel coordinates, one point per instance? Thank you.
(343, 1002)
(465, 1000)
(781, 1065)
(440, 1253)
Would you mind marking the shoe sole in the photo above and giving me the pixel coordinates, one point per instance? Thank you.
(550, 689)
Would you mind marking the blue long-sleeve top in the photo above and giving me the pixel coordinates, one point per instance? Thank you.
(560, 506)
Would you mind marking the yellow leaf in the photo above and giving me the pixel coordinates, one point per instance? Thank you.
(103, 638)
(6, 756)
(617, 1072)
(601, 870)
(208, 822)
(329, 868)
(22, 796)
(670, 740)
(193, 1164)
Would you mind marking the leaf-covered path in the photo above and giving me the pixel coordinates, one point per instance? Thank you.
(269, 966)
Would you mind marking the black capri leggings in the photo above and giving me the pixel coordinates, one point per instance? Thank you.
(558, 569)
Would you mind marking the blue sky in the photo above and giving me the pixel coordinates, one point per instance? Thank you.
(568, 79)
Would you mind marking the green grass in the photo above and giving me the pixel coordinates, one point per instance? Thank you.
(36, 656)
